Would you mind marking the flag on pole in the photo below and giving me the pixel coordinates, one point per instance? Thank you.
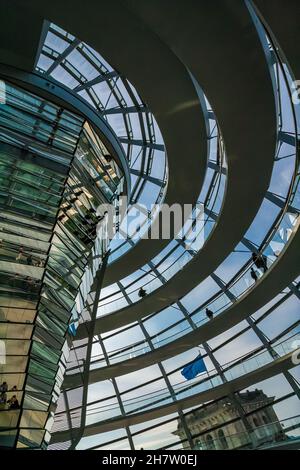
(72, 329)
(191, 370)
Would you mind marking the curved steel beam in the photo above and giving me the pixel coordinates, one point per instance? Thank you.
(282, 20)
(159, 76)
(231, 68)
(275, 367)
(238, 102)
(278, 277)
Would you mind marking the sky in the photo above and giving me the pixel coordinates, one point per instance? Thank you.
(286, 314)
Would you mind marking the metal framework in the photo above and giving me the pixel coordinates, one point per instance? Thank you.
(116, 356)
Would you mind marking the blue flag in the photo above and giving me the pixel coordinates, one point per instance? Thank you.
(194, 368)
(72, 329)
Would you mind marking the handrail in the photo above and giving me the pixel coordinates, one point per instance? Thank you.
(258, 358)
(236, 278)
(218, 174)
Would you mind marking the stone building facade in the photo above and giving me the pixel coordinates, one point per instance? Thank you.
(205, 422)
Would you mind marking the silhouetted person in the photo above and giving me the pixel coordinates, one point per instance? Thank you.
(13, 403)
(142, 292)
(253, 275)
(260, 261)
(3, 387)
(280, 436)
(255, 259)
(264, 263)
(108, 157)
(19, 256)
(209, 314)
(29, 259)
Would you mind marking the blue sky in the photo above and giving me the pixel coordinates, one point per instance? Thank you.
(280, 319)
